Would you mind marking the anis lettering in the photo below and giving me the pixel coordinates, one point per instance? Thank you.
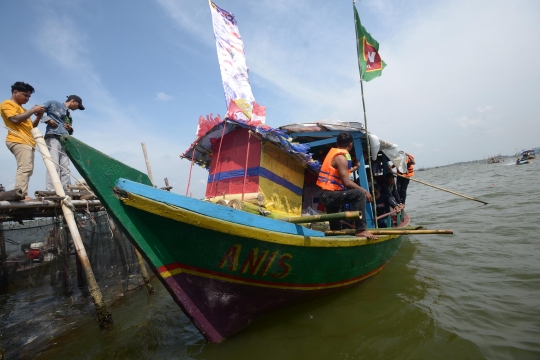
(257, 263)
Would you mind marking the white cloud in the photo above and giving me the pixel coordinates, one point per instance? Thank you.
(482, 110)
(163, 97)
(59, 39)
(466, 122)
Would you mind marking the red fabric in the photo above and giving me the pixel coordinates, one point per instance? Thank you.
(205, 124)
(233, 157)
(259, 113)
(234, 151)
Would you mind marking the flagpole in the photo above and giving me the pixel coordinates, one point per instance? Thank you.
(366, 126)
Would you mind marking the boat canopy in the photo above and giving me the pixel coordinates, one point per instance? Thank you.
(284, 138)
(201, 153)
(391, 150)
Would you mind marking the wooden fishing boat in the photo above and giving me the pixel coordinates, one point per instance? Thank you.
(226, 267)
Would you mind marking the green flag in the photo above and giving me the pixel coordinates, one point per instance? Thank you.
(369, 60)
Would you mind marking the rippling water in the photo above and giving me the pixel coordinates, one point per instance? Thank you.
(472, 295)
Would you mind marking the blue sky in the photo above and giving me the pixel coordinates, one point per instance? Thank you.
(461, 82)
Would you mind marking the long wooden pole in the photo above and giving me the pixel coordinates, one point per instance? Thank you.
(385, 215)
(367, 132)
(2, 351)
(148, 168)
(3, 257)
(140, 260)
(103, 313)
(443, 189)
(190, 169)
(346, 215)
(246, 166)
(390, 232)
(218, 154)
(34, 204)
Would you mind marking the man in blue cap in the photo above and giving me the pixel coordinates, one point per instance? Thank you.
(59, 122)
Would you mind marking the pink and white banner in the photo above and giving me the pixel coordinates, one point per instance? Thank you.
(232, 60)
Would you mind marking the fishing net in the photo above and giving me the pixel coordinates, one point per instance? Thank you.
(43, 290)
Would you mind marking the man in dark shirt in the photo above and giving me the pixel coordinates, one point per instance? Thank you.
(59, 122)
(388, 187)
(385, 204)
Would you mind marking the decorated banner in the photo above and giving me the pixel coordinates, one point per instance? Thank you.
(232, 62)
(369, 60)
(206, 124)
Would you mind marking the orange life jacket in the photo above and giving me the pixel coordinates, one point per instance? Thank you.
(410, 167)
(329, 176)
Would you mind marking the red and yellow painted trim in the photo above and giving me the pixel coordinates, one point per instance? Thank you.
(221, 226)
(169, 270)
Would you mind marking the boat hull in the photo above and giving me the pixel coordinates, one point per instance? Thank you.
(225, 268)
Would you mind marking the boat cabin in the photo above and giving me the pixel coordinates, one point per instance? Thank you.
(277, 169)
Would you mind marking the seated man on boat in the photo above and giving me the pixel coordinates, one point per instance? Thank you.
(385, 205)
(388, 187)
(337, 187)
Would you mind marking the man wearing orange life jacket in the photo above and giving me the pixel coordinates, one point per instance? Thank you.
(337, 187)
(403, 183)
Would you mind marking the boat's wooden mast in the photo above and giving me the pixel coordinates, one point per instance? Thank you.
(366, 126)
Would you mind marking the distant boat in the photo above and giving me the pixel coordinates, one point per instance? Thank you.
(495, 159)
(528, 154)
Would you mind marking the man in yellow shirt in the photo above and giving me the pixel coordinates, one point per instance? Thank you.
(19, 139)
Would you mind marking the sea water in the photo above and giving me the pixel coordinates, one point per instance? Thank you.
(471, 295)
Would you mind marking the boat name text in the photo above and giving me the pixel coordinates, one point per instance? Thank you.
(257, 263)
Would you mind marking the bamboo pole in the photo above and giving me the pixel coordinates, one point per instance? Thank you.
(443, 189)
(140, 260)
(254, 198)
(103, 313)
(218, 154)
(148, 168)
(77, 187)
(390, 232)
(190, 169)
(46, 204)
(246, 166)
(12, 195)
(385, 215)
(2, 351)
(3, 257)
(346, 215)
